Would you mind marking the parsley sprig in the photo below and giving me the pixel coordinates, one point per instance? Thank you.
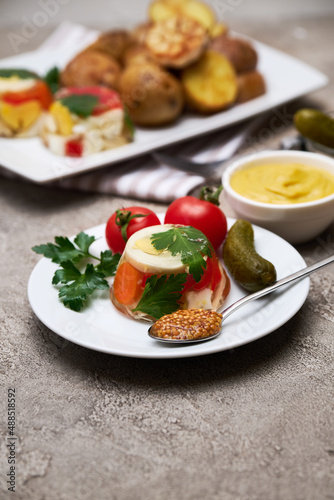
(161, 295)
(191, 243)
(77, 285)
(80, 104)
(52, 79)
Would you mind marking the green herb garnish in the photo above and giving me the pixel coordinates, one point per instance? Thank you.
(191, 243)
(63, 249)
(78, 285)
(21, 73)
(161, 295)
(80, 104)
(52, 79)
(129, 124)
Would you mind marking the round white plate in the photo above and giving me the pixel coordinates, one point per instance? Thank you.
(102, 328)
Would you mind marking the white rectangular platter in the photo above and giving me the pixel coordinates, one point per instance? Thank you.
(286, 78)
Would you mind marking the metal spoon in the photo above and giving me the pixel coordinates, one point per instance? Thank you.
(253, 296)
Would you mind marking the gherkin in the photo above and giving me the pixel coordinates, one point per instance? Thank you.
(247, 267)
(315, 125)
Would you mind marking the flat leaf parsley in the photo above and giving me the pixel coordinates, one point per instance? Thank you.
(191, 243)
(161, 295)
(82, 105)
(77, 285)
(52, 79)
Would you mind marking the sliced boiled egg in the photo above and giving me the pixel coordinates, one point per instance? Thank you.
(140, 252)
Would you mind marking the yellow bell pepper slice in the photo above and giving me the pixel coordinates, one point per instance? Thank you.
(62, 117)
(20, 116)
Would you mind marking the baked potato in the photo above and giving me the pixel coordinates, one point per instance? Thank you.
(151, 95)
(91, 67)
(137, 54)
(139, 32)
(113, 43)
(251, 84)
(210, 84)
(239, 52)
(218, 29)
(177, 41)
(160, 10)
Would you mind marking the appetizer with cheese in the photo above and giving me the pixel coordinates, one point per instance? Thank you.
(165, 268)
(85, 120)
(24, 99)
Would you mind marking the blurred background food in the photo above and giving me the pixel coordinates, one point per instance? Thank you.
(105, 14)
(183, 57)
(174, 55)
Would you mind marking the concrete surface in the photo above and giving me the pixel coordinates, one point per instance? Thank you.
(254, 423)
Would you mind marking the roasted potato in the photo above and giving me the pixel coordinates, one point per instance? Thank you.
(239, 52)
(139, 32)
(151, 95)
(160, 10)
(210, 84)
(251, 84)
(137, 54)
(113, 43)
(91, 67)
(218, 29)
(177, 41)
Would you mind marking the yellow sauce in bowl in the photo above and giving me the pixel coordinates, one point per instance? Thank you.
(280, 183)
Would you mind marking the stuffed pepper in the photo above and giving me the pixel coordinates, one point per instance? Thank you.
(24, 99)
(85, 120)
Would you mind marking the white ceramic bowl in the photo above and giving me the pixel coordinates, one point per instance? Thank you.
(296, 223)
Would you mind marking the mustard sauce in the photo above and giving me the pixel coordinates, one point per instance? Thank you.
(283, 183)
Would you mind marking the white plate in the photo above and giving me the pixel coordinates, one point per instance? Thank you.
(286, 79)
(102, 328)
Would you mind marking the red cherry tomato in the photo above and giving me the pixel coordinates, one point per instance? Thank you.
(38, 92)
(126, 221)
(202, 215)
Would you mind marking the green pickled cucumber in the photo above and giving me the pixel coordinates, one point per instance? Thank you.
(246, 266)
(315, 125)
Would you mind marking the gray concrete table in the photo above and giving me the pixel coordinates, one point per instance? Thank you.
(252, 423)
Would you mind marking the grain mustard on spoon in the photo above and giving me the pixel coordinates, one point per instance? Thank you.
(187, 326)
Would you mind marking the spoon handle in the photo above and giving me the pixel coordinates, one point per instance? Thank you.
(284, 281)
